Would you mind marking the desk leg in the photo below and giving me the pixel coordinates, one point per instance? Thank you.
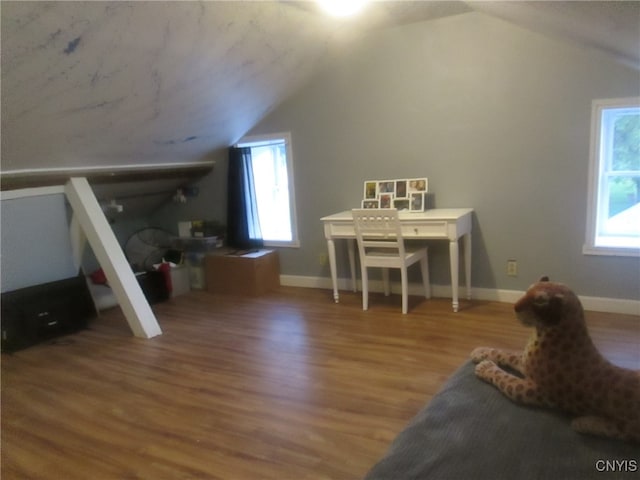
(455, 263)
(467, 263)
(352, 263)
(331, 247)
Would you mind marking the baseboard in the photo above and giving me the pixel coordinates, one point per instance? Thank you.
(595, 304)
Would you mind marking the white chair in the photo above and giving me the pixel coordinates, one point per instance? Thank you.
(380, 244)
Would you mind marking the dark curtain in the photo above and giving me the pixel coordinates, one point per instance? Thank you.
(243, 227)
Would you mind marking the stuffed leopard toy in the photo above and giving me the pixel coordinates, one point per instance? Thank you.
(562, 368)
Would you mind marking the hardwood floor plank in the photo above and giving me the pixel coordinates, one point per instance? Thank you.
(288, 385)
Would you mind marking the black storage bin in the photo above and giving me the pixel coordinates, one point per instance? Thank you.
(35, 314)
(154, 286)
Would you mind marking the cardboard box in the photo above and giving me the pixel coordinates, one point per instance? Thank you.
(251, 274)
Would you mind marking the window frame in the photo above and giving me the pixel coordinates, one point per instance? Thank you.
(596, 171)
(266, 139)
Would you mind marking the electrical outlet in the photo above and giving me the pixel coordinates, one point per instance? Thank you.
(512, 268)
(323, 259)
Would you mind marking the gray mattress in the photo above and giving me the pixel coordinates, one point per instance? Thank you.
(469, 430)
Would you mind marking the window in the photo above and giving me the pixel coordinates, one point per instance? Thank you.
(613, 219)
(272, 165)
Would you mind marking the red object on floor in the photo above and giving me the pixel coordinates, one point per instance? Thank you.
(165, 268)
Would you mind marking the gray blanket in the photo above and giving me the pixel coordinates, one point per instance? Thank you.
(470, 430)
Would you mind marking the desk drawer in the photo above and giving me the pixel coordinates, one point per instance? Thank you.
(425, 230)
(338, 230)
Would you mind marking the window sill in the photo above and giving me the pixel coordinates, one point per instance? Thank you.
(273, 244)
(611, 251)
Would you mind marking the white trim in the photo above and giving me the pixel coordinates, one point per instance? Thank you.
(31, 192)
(275, 139)
(595, 173)
(282, 244)
(78, 241)
(611, 305)
(610, 251)
(596, 304)
(263, 140)
(106, 169)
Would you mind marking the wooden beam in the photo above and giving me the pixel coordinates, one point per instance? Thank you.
(78, 241)
(20, 179)
(107, 250)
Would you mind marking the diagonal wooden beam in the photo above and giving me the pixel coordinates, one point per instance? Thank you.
(78, 241)
(98, 232)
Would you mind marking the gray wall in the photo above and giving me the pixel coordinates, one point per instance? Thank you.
(495, 116)
(36, 246)
(209, 204)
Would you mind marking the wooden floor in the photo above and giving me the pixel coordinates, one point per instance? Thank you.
(286, 386)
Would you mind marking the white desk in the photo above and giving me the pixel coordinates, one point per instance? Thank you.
(440, 223)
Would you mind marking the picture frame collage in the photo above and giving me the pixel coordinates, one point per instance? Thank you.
(402, 194)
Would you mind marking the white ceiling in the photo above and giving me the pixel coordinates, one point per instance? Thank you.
(126, 84)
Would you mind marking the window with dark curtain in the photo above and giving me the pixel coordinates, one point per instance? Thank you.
(243, 226)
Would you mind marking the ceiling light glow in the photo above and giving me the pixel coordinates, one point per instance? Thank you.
(342, 8)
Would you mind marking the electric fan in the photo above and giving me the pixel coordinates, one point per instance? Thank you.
(147, 247)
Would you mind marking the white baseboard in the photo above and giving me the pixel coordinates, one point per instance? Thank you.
(596, 304)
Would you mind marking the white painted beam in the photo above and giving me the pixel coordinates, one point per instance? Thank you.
(78, 241)
(31, 192)
(107, 250)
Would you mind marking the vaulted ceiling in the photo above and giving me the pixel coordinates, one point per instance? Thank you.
(109, 85)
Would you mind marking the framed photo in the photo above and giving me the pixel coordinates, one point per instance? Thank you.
(370, 203)
(401, 189)
(370, 190)
(418, 185)
(401, 203)
(416, 202)
(386, 200)
(400, 193)
(386, 186)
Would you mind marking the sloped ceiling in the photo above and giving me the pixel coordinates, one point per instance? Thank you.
(108, 85)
